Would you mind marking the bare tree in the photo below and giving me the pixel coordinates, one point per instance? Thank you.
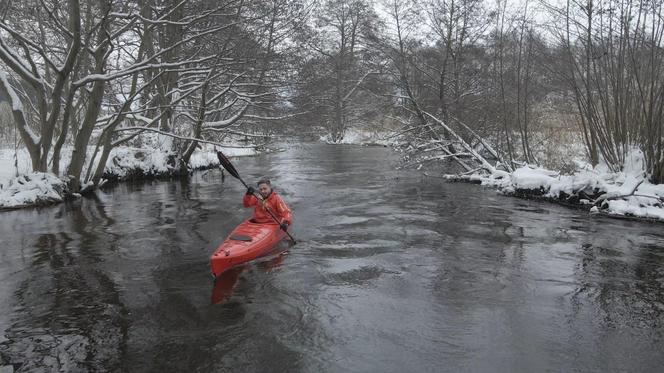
(614, 67)
(185, 69)
(341, 61)
(458, 25)
(429, 137)
(45, 69)
(517, 46)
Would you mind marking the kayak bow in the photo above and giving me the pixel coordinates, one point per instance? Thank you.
(248, 241)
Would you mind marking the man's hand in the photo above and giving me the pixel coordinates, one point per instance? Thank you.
(251, 191)
(284, 226)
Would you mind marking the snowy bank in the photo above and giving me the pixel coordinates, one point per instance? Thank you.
(19, 187)
(31, 189)
(622, 194)
(131, 163)
(361, 137)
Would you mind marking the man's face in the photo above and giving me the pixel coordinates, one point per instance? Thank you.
(264, 189)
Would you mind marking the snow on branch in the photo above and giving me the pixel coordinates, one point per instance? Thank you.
(359, 82)
(282, 117)
(56, 20)
(149, 62)
(173, 9)
(434, 158)
(611, 196)
(135, 68)
(488, 147)
(12, 59)
(225, 90)
(486, 165)
(223, 108)
(141, 129)
(239, 133)
(227, 122)
(186, 21)
(17, 35)
(17, 109)
(407, 129)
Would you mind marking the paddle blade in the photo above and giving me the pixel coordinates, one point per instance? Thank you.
(225, 163)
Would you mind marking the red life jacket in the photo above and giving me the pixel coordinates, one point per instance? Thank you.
(274, 203)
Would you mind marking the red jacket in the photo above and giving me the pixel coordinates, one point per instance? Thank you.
(274, 203)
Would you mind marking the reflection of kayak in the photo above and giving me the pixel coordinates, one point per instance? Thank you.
(226, 281)
(224, 284)
(248, 241)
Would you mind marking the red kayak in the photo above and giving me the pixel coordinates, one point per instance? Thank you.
(248, 241)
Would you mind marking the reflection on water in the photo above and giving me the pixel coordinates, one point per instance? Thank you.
(224, 284)
(67, 306)
(392, 272)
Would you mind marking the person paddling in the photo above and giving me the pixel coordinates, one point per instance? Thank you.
(270, 201)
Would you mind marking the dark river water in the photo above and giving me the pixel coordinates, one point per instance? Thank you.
(393, 272)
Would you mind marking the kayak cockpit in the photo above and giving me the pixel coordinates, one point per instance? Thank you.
(239, 237)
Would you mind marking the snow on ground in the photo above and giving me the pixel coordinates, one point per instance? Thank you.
(36, 188)
(20, 187)
(207, 156)
(125, 161)
(354, 136)
(527, 178)
(625, 193)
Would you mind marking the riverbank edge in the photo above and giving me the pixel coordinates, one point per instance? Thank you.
(110, 179)
(540, 195)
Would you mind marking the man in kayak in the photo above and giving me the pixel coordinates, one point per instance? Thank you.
(270, 201)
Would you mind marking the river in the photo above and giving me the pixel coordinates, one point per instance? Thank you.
(393, 272)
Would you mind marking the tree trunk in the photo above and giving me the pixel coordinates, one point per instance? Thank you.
(83, 136)
(62, 75)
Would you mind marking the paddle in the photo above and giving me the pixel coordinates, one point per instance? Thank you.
(226, 163)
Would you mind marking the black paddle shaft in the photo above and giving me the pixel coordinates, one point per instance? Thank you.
(226, 163)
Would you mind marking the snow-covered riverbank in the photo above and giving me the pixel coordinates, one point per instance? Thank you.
(621, 194)
(354, 136)
(19, 187)
(35, 188)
